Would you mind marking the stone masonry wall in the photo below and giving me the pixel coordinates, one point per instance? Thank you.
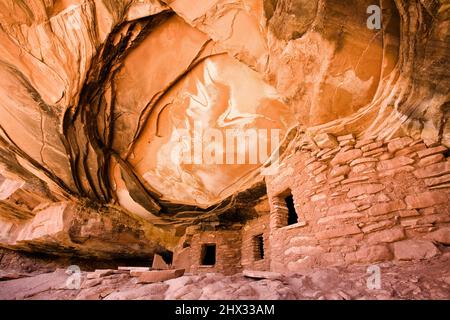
(359, 202)
(228, 251)
(253, 228)
(235, 250)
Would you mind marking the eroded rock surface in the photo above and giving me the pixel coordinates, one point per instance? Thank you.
(94, 95)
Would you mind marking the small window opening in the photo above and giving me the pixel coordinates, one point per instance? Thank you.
(259, 247)
(209, 254)
(292, 214)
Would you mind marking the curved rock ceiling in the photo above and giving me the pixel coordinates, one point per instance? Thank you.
(95, 92)
(217, 93)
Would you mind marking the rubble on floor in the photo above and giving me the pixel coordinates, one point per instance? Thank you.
(426, 279)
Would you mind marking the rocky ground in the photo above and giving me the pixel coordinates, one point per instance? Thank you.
(428, 279)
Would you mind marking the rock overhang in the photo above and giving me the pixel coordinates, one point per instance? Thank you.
(91, 112)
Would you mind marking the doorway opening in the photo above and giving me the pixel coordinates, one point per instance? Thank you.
(208, 254)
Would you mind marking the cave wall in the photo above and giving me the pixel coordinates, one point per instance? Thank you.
(92, 91)
(69, 229)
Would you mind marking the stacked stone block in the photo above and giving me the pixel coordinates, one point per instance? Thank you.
(361, 201)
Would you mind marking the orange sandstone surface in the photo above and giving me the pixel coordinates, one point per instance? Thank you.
(226, 135)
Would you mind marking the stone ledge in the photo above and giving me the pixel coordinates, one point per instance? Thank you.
(295, 226)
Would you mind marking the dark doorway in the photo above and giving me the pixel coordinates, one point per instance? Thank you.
(167, 256)
(292, 215)
(259, 247)
(209, 254)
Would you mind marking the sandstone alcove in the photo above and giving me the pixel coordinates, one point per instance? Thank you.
(261, 135)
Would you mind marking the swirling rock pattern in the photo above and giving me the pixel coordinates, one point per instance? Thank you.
(93, 93)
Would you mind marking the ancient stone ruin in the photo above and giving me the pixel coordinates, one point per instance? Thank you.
(269, 137)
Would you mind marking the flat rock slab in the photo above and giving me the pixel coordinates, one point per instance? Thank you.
(262, 275)
(159, 263)
(100, 273)
(415, 250)
(137, 273)
(29, 286)
(440, 236)
(133, 268)
(4, 276)
(159, 275)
